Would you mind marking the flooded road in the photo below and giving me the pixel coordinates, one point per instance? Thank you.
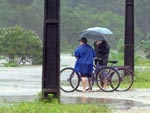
(20, 81)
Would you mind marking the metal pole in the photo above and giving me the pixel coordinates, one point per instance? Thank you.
(129, 34)
(51, 49)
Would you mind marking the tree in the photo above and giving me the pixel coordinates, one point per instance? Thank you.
(18, 44)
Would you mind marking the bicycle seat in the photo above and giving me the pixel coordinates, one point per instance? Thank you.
(98, 59)
(113, 61)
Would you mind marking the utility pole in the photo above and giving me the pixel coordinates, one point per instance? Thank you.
(129, 34)
(51, 49)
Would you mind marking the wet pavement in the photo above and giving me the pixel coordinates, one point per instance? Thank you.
(119, 104)
(133, 99)
(139, 95)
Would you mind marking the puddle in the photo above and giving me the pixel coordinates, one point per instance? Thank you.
(113, 103)
(118, 104)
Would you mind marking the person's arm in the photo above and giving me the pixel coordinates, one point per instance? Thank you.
(77, 53)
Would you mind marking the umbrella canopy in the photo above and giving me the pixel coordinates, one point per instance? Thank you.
(93, 35)
(101, 30)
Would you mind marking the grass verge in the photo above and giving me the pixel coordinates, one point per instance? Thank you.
(41, 107)
(142, 79)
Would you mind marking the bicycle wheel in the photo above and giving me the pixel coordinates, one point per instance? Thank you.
(108, 79)
(126, 79)
(69, 78)
(94, 86)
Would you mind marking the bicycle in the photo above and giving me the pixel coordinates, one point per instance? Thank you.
(102, 75)
(126, 76)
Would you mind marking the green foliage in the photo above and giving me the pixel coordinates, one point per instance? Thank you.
(142, 78)
(51, 99)
(41, 107)
(148, 36)
(139, 60)
(120, 46)
(10, 64)
(119, 56)
(18, 44)
(115, 55)
(1, 57)
(146, 45)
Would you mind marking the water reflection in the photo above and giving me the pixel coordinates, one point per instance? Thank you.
(117, 103)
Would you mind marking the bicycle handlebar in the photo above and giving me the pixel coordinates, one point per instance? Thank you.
(110, 61)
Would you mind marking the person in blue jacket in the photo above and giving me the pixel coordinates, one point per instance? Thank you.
(84, 64)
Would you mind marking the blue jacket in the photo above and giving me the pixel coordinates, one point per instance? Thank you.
(84, 54)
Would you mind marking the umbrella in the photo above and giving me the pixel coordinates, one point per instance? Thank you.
(101, 30)
(93, 35)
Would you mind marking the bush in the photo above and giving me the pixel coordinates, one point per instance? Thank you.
(10, 64)
(19, 43)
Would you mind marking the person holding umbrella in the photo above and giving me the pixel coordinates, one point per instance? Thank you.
(102, 50)
(84, 64)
